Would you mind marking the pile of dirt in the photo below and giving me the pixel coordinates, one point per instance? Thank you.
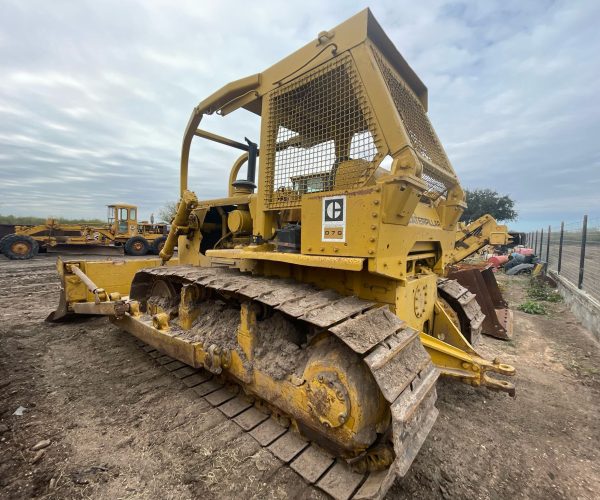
(278, 352)
(217, 324)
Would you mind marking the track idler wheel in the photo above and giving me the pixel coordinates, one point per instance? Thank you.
(343, 398)
(328, 399)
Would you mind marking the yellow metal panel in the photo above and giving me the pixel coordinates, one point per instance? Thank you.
(344, 263)
(358, 232)
(111, 275)
(415, 301)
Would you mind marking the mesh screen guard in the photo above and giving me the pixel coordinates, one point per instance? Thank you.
(321, 135)
(421, 134)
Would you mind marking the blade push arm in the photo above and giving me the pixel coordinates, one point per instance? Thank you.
(179, 225)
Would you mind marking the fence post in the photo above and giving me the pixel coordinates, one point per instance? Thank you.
(541, 243)
(560, 244)
(582, 258)
(548, 247)
(535, 243)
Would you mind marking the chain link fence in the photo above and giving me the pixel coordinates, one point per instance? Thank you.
(572, 249)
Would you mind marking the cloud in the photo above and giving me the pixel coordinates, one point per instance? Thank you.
(94, 96)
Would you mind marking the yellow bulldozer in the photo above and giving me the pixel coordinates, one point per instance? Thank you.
(122, 234)
(311, 305)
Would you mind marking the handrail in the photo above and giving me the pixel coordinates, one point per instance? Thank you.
(209, 106)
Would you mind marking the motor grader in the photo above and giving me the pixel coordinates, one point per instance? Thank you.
(122, 234)
(316, 289)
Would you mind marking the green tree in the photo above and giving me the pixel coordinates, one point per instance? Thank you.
(167, 213)
(486, 201)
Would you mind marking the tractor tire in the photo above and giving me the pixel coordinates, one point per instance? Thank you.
(157, 244)
(137, 245)
(2, 240)
(520, 269)
(19, 247)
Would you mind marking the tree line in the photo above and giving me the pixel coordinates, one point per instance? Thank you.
(26, 220)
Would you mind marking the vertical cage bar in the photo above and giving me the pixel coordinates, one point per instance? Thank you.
(541, 242)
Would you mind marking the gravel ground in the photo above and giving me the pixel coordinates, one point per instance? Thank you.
(119, 426)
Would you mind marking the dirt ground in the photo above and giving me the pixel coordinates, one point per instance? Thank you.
(120, 426)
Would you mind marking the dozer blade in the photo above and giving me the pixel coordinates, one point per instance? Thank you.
(481, 282)
(83, 249)
(61, 310)
(114, 276)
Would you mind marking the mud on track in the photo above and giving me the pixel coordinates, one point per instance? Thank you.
(123, 427)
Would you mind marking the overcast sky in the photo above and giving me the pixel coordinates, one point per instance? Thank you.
(95, 95)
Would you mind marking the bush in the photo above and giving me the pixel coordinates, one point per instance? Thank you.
(539, 290)
(532, 307)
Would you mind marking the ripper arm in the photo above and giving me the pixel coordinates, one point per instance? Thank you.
(484, 231)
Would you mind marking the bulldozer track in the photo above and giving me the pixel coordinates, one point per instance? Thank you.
(391, 350)
(465, 304)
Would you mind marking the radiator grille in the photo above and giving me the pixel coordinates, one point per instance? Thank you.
(321, 135)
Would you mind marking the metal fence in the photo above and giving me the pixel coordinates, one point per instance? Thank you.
(573, 251)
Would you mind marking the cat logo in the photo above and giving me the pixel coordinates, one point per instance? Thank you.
(334, 219)
(334, 210)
